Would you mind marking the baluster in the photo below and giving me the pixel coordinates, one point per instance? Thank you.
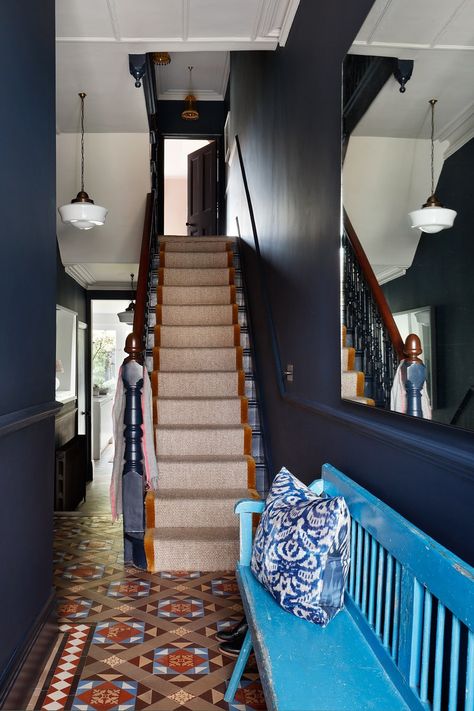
(413, 374)
(133, 488)
(376, 356)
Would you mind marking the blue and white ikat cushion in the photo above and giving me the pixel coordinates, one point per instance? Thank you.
(301, 551)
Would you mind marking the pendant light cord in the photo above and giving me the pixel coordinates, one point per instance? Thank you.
(82, 95)
(432, 102)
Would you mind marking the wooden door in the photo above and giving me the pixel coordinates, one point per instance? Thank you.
(202, 191)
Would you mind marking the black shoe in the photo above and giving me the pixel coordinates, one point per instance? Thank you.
(232, 632)
(232, 648)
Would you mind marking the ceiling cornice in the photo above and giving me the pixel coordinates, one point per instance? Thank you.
(288, 21)
(458, 131)
(178, 44)
(80, 274)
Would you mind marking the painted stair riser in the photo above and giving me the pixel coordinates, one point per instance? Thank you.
(197, 359)
(196, 277)
(202, 441)
(197, 315)
(202, 512)
(202, 473)
(196, 260)
(218, 384)
(187, 295)
(221, 411)
(189, 553)
(197, 336)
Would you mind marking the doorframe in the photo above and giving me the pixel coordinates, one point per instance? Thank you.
(158, 158)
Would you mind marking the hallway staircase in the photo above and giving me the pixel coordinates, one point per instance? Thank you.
(352, 380)
(201, 396)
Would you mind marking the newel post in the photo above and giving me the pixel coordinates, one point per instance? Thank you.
(413, 374)
(133, 481)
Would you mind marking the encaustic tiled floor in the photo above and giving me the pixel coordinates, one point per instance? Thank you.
(130, 640)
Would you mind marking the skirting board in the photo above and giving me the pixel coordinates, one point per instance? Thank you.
(26, 664)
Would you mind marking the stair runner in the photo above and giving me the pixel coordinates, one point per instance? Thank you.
(352, 381)
(204, 401)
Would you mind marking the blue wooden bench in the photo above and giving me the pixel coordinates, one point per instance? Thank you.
(404, 640)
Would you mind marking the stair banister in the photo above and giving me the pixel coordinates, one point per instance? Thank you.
(377, 292)
(413, 374)
(133, 481)
(143, 272)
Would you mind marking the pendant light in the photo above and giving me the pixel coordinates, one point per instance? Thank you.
(81, 212)
(190, 112)
(161, 58)
(127, 315)
(432, 217)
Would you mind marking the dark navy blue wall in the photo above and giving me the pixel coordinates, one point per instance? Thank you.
(69, 293)
(441, 276)
(28, 294)
(285, 107)
(210, 122)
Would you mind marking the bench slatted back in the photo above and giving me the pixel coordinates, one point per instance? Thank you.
(414, 595)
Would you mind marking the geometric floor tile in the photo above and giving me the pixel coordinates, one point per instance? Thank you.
(249, 695)
(119, 632)
(73, 608)
(96, 545)
(105, 695)
(133, 640)
(180, 575)
(129, 588)
(83, 571)
(187, 608)
(224, 587)
(176, 660)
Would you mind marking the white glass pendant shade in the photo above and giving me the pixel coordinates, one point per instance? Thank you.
(127, 315)
(432, 219)
(81, 212)
(433, 216)
(83, 215)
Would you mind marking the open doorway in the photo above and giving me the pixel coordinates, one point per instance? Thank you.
(177, 151)
(108, 336)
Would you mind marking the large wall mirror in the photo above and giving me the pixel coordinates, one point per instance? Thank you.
(426, 279)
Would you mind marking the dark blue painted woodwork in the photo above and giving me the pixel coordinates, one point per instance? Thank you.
(387, 648)
(286, 109)
(414, 376)
(28, 292)
(210, 122)
(133, 488)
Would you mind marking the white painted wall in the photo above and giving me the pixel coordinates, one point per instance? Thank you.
(383, 180)
(117, 176)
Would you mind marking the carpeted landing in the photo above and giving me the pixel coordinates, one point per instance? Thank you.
(203, 439)
(130, 640)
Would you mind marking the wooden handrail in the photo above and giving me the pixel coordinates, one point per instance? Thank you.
(374, 286)
(143, 269)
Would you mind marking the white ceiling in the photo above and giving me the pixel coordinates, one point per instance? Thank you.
(439, 37)
(95, 37)
(209, 76)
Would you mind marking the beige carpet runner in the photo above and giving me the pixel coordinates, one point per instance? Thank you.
(203, 440)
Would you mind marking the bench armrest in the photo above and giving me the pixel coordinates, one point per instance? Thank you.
(245, 508)
(249, 506)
